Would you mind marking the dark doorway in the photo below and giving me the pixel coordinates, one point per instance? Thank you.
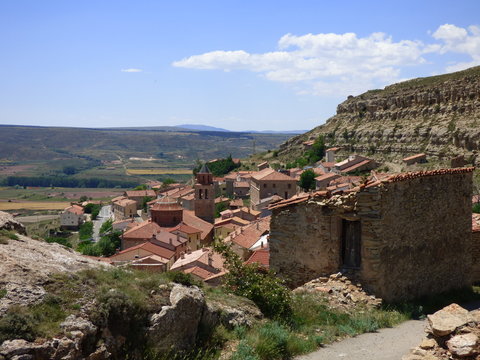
(351, 243)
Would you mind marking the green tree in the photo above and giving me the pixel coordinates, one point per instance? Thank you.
(141, 187)
(86, 230)
(221, 206)
(307, 180)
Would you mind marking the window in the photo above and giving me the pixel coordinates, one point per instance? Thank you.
(274, 185)
(264, 185)
(206, 193)
(200, 193)
(289, 186)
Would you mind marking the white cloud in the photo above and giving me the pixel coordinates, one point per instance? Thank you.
(340, 64)
(131, 70)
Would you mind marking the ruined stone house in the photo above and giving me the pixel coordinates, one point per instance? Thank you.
(405, 236)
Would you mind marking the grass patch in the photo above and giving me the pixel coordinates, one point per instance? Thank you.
(6, 235)
(3, 293)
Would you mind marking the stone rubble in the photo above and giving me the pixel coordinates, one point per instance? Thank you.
(340, 292)
(452, 333)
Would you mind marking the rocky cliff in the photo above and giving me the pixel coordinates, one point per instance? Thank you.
(438, 115)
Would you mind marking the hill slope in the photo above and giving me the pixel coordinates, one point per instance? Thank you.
(438, 115)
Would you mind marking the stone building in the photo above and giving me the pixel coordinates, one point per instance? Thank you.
(476, 247)
(269, 182)
(405, 236)
(205, 195)
(72, 217)
(139, 196)
(124, 208)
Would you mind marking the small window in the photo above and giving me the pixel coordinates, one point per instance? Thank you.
(200, 194)
(264, 185)
(274, 185)
(206, 193)
(289, 186)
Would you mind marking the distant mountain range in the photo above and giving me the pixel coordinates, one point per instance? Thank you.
(200, 127)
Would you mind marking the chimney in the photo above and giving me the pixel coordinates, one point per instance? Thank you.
(210, 259)
(261, 244)
(182, 255)
(170, 240)
(257, 226)
(178, 237)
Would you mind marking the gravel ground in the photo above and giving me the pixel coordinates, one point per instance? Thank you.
(386, 344)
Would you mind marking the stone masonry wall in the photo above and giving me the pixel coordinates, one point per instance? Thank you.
(424, 244)
(476, 256)
(301, 242)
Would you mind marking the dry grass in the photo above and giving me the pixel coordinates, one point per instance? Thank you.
(159, 171)
(33, 205)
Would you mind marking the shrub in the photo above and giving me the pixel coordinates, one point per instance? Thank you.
(257, 284)
(476, 208)
(244, 352)
(59, 240)
(182, 278)
(86, 230)
(16, 324)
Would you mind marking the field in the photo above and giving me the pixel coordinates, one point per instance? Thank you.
(33, 205)
(159, 171)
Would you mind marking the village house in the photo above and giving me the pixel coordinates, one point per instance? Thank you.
(219, 185)
(355, 163)
(139, 195)
(124, 208)
(415, 159)
(269, 182)
(204, 264)
(263, 165)
(330, 154)
(322, 181)
(139, 234)
(245, 239)
(157, 257)
(223, 227)
(405, 236)
(121, 225)
(72, 217)
(174, 242)
(236, 177)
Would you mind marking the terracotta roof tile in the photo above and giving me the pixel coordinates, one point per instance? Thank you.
(270, 174)
(248, 235)
(150, 247)
(138, 193)
(190, 219)
(413, 157)
(356, 166)
(261, 257)
(75, 209)
(144, 230)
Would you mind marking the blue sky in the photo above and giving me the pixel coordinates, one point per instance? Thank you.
(235, 64)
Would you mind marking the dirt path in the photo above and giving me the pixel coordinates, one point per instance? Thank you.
(386, 344)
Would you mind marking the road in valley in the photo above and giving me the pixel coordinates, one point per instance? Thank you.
(104, 214)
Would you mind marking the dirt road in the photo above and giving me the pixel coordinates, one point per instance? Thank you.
(386, 344)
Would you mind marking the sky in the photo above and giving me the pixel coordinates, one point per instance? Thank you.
(240, 65)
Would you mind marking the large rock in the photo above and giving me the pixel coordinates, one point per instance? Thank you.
(7, 222)
(447, 320)
(463, 345)
(244, 314)
(176, 326)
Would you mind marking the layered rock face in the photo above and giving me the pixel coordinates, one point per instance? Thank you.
(437, 115)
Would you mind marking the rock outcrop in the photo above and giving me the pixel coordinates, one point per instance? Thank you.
(452, 333)
(436, 115)
(26, 265)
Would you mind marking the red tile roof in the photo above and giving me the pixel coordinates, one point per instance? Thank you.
(241, 184)
(186, 229)
(75, 209)
(138, 193)
(248, 235)
(261, 257)
(144, 230)
(356, 166)
(270, 174)
(150, 247)
(327, 176)
(166, 204)
(190, 219)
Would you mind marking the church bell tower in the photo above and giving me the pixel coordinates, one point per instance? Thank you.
(205, 195)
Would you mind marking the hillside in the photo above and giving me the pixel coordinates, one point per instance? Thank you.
(110, 153)
(438, 115)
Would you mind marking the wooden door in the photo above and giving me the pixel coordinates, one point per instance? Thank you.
(351, 244)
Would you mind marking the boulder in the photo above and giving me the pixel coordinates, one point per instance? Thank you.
(7, 222)
(447, 320)
(175, 327)
(463, 345)
(244, 314)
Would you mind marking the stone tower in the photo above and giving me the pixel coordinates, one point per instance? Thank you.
(205, 195)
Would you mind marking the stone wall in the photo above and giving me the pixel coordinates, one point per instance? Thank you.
(424, 244)
(303, 242)
(476, 256)
(415, 236)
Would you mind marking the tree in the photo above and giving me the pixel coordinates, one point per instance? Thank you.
(307, 180)
(141, 187)
(69, 170)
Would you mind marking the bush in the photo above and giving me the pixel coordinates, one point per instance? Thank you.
(59, 240)
(182, 278)
(86, 230)
(476, 208)
(257, 284)
(17, 324)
